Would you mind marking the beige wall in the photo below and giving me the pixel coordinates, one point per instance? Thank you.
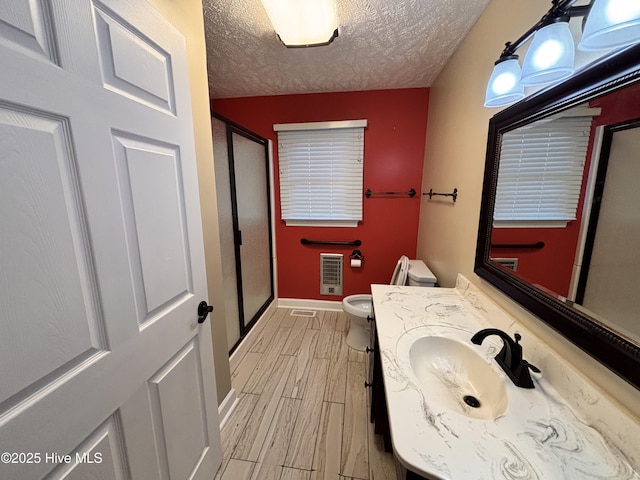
(186, 16)
(455, 156)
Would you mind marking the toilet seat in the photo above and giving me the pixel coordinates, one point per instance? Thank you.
(399, 276)
(358, 307)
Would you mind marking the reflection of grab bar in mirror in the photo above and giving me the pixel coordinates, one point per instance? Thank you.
(533, 246)
(354, 243)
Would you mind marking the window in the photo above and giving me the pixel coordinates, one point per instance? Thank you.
(321, 172)
(541, 171)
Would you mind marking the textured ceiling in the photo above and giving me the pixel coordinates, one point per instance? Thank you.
(382, 44)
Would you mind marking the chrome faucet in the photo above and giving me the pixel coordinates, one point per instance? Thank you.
(510, 357)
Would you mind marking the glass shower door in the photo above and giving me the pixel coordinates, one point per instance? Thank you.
(242, 190)
(253, 233)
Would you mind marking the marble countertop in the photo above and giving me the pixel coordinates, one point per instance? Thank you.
(541, 435)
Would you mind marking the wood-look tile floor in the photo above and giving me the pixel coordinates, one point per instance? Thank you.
(302, 407)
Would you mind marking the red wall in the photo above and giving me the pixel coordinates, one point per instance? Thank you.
(552, 266)
(394, 148)
(549, 267)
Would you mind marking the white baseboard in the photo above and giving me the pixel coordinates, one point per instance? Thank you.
(309, 304)
(227, 407)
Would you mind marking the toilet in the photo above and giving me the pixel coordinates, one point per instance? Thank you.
(358, 307)
(419, 275)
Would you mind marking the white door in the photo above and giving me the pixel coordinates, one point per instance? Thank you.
(101, 257)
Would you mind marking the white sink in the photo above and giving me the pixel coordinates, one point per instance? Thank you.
(454, 376)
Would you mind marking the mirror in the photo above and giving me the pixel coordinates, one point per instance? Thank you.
(578, 269)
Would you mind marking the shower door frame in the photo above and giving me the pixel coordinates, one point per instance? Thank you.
(231, 128)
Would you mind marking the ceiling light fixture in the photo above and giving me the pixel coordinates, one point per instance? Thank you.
(303, 23)
(550, 57)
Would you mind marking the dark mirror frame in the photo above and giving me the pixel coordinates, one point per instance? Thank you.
(618, 353)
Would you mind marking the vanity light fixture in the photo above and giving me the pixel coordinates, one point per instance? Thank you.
(303, 23)
(550, 57)
(611, 23)
(505, 86)
(551, 54)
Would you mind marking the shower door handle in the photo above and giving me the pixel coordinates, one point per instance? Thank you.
(239, 237)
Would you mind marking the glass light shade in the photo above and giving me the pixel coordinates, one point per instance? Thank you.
(611, 24)
(301, 23)
(550, 56)
(504, 85)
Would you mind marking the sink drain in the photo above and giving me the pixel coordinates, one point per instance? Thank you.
(471, 401)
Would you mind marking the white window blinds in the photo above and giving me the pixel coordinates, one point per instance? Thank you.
(541, 169)
(320, 168)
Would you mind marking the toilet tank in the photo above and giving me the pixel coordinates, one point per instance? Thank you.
(419, 274)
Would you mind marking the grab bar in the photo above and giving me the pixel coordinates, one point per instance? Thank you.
(412, 193)
(534, 246)
(355, 243)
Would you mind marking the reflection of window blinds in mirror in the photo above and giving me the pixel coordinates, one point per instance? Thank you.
(541, 169)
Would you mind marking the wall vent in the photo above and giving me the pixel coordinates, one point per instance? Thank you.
(331, 274)
(510, 263)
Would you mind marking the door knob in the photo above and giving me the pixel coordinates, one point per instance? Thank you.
(203, 311)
